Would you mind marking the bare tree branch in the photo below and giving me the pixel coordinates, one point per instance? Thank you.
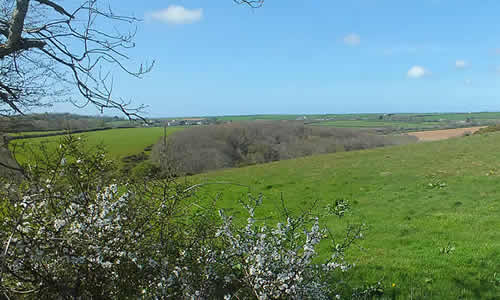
(66, 50)
(251, 3)
(50, 50)
(56, 7)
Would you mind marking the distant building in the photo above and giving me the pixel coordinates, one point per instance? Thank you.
(189, 122)
(173, 123)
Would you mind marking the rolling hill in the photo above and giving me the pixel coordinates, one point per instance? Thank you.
(432, 210)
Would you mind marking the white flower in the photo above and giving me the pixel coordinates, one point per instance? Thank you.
(58, 224)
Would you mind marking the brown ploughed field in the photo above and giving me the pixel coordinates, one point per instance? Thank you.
(435, 135)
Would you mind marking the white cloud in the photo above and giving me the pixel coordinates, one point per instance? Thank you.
(176, 14)
(461, 64)
(352, 39)
(417, 72)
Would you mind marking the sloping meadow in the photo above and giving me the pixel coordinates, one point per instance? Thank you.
(431, 210)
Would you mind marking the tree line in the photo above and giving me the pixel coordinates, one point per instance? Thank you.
(200, 149)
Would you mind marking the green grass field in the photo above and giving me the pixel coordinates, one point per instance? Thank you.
(416, 201)
(118, 142)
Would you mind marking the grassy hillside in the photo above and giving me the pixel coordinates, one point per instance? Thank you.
(432, 209)
(119, 142)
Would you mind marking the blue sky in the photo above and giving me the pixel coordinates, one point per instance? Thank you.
(298, 57)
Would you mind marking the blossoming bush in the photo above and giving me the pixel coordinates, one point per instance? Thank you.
(277, 262)
(75, 229)
(66, 229)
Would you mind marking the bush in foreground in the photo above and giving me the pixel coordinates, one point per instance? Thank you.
(72, 229)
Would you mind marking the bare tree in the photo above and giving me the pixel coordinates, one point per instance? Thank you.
(47, 48)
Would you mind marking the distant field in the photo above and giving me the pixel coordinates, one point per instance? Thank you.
(398, 122)
(295, 117)
(436, 135)
(372, 116)
(257, 117)
(376, 124)
(417, 200)
(461, 116)
(119, 142)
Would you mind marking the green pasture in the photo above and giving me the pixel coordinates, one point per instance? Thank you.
(432, 210)
(118, 142)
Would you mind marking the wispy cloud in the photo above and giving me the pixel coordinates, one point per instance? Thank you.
(417, 72)
(461, 64)
(352, 39)
(176, 14)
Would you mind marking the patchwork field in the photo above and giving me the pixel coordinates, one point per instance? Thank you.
(402, 122)
(432, 210)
